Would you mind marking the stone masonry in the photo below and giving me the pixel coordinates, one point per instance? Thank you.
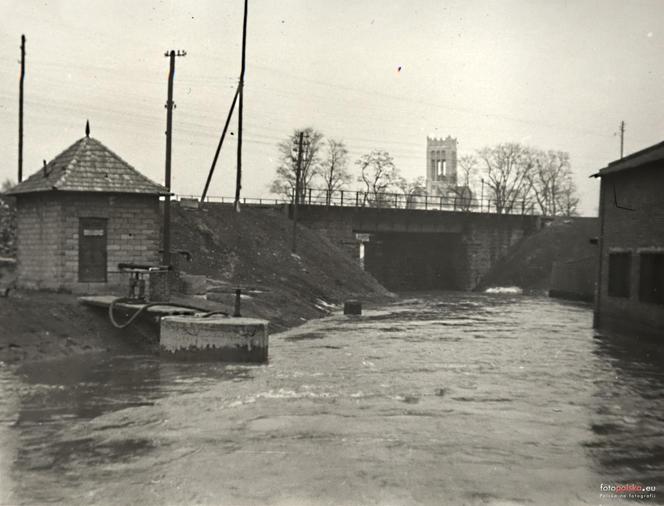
(47, 243)
(484, 238)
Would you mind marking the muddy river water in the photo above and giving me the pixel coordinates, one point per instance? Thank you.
(434, 399)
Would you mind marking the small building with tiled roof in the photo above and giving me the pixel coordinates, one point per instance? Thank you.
(82, 214)
(630, 286)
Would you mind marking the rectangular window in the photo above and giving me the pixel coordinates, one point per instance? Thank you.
(651, 278)
(619, 274)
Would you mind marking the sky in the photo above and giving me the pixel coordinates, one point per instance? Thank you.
(552, 74)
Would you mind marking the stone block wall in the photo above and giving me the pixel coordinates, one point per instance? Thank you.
(39, 242)
(485, 238)
(48, 235)
(489, 239)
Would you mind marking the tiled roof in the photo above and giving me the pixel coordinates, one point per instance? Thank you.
(88, 166)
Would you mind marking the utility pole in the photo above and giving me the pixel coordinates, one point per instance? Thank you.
(622, 137)
(221, 142)
(296, 197)
(20, 112)
(238, 181)
(166, 257)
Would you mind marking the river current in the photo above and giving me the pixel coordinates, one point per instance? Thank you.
(443, 398)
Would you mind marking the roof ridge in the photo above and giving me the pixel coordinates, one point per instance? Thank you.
(66, 169)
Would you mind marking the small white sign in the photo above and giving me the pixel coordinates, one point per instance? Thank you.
(94, 232)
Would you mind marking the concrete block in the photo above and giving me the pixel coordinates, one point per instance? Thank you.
(192, 284)
(214, 338)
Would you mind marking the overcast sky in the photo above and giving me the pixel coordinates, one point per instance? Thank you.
(553, 74)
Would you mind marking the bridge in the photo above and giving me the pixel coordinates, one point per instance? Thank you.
(415, 242)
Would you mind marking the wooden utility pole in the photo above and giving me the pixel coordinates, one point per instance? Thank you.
(622, 137)
(166, 257)
(296, 197)
(20, 112)
(221, 142)
(238, 181)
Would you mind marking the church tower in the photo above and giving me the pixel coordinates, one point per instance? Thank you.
(441, 165)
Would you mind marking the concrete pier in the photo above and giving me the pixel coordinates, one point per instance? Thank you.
(214, 338)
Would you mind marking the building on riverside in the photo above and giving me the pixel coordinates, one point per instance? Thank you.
(630, 288)
(82, 214)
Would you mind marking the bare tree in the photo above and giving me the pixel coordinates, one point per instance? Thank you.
(552, 188)
(378, 173)
(568, 199)
(334, 169)
(7, 220)
(7, 185)
(507, 168)
(284, 182)
(467, 168)
(412, 190)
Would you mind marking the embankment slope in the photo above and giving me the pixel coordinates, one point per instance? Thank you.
(252, 249)
(529, 263)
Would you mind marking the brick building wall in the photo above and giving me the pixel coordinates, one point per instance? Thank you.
(632, 211)
(48, 237)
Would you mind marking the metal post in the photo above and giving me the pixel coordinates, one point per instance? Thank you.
(238, 299)
(482, 197)
(20, 112)
(342, 198)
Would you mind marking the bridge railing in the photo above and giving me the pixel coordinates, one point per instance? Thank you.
(385, 200)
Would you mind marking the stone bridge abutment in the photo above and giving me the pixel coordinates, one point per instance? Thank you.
(407, 249)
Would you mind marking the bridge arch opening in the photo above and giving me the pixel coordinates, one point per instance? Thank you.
(403, 261)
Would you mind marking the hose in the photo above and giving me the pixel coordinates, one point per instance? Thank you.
(143, 308)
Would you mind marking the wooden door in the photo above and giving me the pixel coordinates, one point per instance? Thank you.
(92, 250)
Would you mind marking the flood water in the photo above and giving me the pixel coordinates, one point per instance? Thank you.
(434, 399)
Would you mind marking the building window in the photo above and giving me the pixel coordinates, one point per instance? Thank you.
(619, 274)
(651, 278)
